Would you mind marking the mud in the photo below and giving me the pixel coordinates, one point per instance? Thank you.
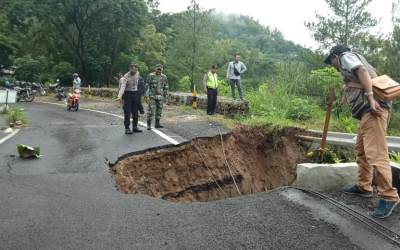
(245, 161)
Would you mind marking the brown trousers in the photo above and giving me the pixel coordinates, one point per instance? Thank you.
(372, 153)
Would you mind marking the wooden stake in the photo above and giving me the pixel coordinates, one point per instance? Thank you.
(332, 96)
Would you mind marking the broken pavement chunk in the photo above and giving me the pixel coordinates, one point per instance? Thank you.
(25, 151)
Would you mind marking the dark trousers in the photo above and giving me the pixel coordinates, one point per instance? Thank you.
(211, 100)
(236, 83)
(131, 102)
(141, 109)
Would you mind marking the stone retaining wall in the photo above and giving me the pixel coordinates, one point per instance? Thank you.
(225, 106)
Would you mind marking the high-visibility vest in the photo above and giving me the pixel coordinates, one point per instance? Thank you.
(212, 80)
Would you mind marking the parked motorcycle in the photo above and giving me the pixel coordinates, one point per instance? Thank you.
(24, 93)
(38, 87)
(58, 90)
(73, 100)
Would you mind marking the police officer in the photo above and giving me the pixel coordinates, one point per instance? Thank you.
(128, 95)
(210, 83)
(157, 91)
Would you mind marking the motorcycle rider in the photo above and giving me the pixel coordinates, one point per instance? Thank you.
(76, 83)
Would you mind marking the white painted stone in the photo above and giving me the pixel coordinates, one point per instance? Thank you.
(326, 177)
(8, 130)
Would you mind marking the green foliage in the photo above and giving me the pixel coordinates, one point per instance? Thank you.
(348, 23)
(348, 124)
(300, 110)
(16, 114)
(63, 71)
(223, 88)
(395, 156)
(184, 84)
(322, 80)
(30, 69)
(151, 46)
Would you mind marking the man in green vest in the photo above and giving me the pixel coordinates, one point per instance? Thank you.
(210, 82)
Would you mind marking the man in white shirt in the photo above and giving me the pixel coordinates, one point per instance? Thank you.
(233, 75)
(76, 83)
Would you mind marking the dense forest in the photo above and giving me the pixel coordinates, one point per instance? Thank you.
(50, 39)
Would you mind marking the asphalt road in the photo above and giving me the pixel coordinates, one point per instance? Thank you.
(67, 200)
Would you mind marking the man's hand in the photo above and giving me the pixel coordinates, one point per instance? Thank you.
(146, 99)
(376, 108)
(119, 99)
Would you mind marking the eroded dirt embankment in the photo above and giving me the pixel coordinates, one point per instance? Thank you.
(207, 169)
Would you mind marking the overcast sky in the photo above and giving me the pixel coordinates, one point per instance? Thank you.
(288, 16)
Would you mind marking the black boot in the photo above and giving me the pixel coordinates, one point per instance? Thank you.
(128, 131)
(135, 126)
(158, 125)
(148, 124)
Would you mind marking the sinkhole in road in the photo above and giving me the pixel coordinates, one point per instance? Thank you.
(246, 161)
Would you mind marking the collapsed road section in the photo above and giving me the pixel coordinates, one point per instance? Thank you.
(245, 161)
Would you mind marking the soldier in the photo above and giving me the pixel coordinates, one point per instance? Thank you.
(157, 90)
(128, 95)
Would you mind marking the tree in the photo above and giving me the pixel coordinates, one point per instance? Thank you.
(348, 24)
(91, 34)
(396, 12)
(190, 48)
(151, 46)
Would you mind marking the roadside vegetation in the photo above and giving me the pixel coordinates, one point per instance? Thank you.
(16, 115)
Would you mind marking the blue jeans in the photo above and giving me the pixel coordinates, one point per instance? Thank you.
(233, 83)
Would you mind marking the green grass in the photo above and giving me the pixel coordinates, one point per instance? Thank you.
(16, 114)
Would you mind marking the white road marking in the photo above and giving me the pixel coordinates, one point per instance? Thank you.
(9, 136)
(142, 124)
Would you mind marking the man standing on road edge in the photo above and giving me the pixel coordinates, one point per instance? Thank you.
(128, 95)
(235, 69)
(210, 83)
(371, 145)
(156, 94)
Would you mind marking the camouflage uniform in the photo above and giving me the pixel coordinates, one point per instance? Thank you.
(157, 90)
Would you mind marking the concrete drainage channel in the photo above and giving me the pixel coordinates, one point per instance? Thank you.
(245, 161)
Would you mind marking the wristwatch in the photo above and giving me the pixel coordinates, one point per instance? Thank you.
(369, 93)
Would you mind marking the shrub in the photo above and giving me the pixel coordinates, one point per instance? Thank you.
(29, 68)
(184, 84)
(63, 71)
(16, 114)
(300, 110)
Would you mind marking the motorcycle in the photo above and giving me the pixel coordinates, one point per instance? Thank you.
(58, 90)
(73, 100)
(24, 92)
(38, 87)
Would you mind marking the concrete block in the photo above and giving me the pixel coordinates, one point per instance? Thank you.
(326, 177)
(396, 175)
(334, 177)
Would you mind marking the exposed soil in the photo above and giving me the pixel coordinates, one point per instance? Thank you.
(254, 159)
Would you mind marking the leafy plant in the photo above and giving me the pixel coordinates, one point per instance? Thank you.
(395, 156)
(16, 114)
(300, 110)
